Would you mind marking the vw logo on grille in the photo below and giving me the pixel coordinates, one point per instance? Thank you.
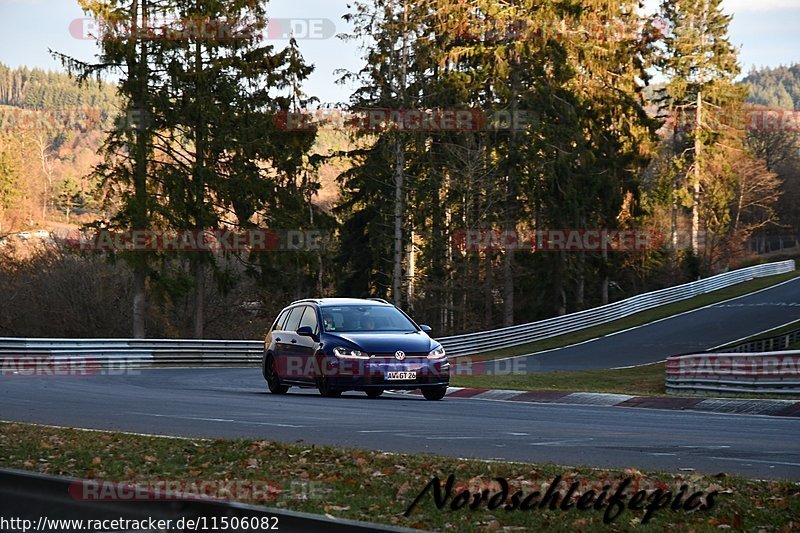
(399, 355)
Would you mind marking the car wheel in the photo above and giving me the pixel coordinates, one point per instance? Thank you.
(436, 393)
(325, 389)
(374, 393)
(273, 380)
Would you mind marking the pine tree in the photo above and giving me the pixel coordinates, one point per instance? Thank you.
(129, 146)
(221, 150)
(701, 65)
(199, 140)
(390, 81)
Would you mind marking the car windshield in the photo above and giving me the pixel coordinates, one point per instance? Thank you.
(358, 318)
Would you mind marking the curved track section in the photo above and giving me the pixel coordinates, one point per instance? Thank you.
(693, 331)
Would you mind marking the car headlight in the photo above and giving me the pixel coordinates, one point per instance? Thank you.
(349, 353)
(436, 353)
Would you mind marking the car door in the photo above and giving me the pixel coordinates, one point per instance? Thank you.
(307, 346)
(287, 359)
(274, 334)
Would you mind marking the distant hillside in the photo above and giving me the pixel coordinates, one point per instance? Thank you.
(775, 87)
(39, 89)
(49, 148)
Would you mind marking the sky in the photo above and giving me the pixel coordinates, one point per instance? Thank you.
(765, 30)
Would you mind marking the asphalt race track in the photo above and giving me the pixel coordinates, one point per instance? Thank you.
(234, 402)
(694, 331)
(228, 403)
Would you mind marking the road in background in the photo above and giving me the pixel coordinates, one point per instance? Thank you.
(695, 331)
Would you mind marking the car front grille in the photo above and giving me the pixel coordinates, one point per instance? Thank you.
(408, 356)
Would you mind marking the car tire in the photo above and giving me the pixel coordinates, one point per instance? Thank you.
(325, 389)
(434, 393)
(374, 393)
(273, 380)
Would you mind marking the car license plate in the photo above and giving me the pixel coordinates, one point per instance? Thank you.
(399, 376)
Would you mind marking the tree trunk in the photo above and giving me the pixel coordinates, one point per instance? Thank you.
(673, 200)
(400, 161)
(510, 209)
(411, 261)
(581, 282)
(488, 285)
(559, 305)
(604, 281)
(199, 274)
(397, 261)
(508, 288)
(200, 222)
(698, 150)
(140, 216)
(139, 303)
(674, 223)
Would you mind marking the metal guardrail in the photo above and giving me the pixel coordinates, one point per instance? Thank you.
(740, 373)
(135, 352)
(474, 343)
(743, 368)
(33, 496)
(767, 344)
(142, 352)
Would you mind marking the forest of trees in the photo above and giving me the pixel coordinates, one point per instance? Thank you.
(777, 88)
(38, 89)
(598, 148)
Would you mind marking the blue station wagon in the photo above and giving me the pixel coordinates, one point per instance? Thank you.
(341, 344)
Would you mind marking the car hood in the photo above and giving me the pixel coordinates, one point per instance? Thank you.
(377, 342)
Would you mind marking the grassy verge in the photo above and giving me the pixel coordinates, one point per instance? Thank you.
(640, 381)
(379, 487)
(643, 381)
(642, 318)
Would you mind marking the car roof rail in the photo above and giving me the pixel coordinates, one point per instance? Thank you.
(305, 300)
(381, 300)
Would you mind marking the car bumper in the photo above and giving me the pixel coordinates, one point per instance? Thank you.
(374, 374)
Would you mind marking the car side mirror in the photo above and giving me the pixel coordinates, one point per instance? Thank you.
(426, 329)
(306, 331)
